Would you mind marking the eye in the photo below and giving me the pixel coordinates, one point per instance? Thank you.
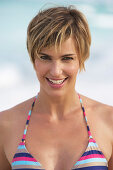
(45, 57)
(67, 58)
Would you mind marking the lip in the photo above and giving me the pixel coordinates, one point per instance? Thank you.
(56, 85)
(56, 79)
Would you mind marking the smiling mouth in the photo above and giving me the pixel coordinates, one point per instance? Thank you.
(56, 81)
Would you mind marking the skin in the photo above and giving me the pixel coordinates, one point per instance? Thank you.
(57, 134)
(58, 101)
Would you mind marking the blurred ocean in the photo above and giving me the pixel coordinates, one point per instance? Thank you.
(18, 80)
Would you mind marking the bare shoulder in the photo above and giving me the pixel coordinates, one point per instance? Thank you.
(8, 115)
(8, 120)
(100, 118)
(12, 115)
(99, 107)
(100, 110)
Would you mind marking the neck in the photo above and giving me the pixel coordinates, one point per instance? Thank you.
(57, 107)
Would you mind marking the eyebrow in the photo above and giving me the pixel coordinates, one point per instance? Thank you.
(61, 56)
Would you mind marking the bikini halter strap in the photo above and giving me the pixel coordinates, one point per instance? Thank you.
(28, 118)
(29, 114)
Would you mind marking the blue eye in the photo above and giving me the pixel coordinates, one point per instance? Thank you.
(44, 57)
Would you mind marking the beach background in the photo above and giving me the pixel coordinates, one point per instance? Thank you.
(18, 81)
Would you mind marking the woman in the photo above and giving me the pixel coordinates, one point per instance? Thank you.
(66, 130)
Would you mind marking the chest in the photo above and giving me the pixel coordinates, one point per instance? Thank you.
(57, 146)
(57, 149)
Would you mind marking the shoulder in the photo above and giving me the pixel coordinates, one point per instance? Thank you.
(96, 105)
(101, 116)
(101, 111)
(9, 121)
(9, 118)
(9, 114)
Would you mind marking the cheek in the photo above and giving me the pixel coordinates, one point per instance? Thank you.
(40, 72)
(40, 69)
(73, 69)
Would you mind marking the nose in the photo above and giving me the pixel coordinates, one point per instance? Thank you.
(56, 69)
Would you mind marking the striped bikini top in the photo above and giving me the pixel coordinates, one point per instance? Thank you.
(92, 158)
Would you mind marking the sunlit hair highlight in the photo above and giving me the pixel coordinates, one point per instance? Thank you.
(53, 26)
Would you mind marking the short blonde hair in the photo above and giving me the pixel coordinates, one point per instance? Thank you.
(53, 26)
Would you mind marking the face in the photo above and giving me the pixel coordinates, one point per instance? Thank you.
(57, 70)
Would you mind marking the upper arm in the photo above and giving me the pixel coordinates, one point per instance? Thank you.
(4, 164)
(110, 163)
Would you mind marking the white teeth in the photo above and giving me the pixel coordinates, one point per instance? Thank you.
(56, 81)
